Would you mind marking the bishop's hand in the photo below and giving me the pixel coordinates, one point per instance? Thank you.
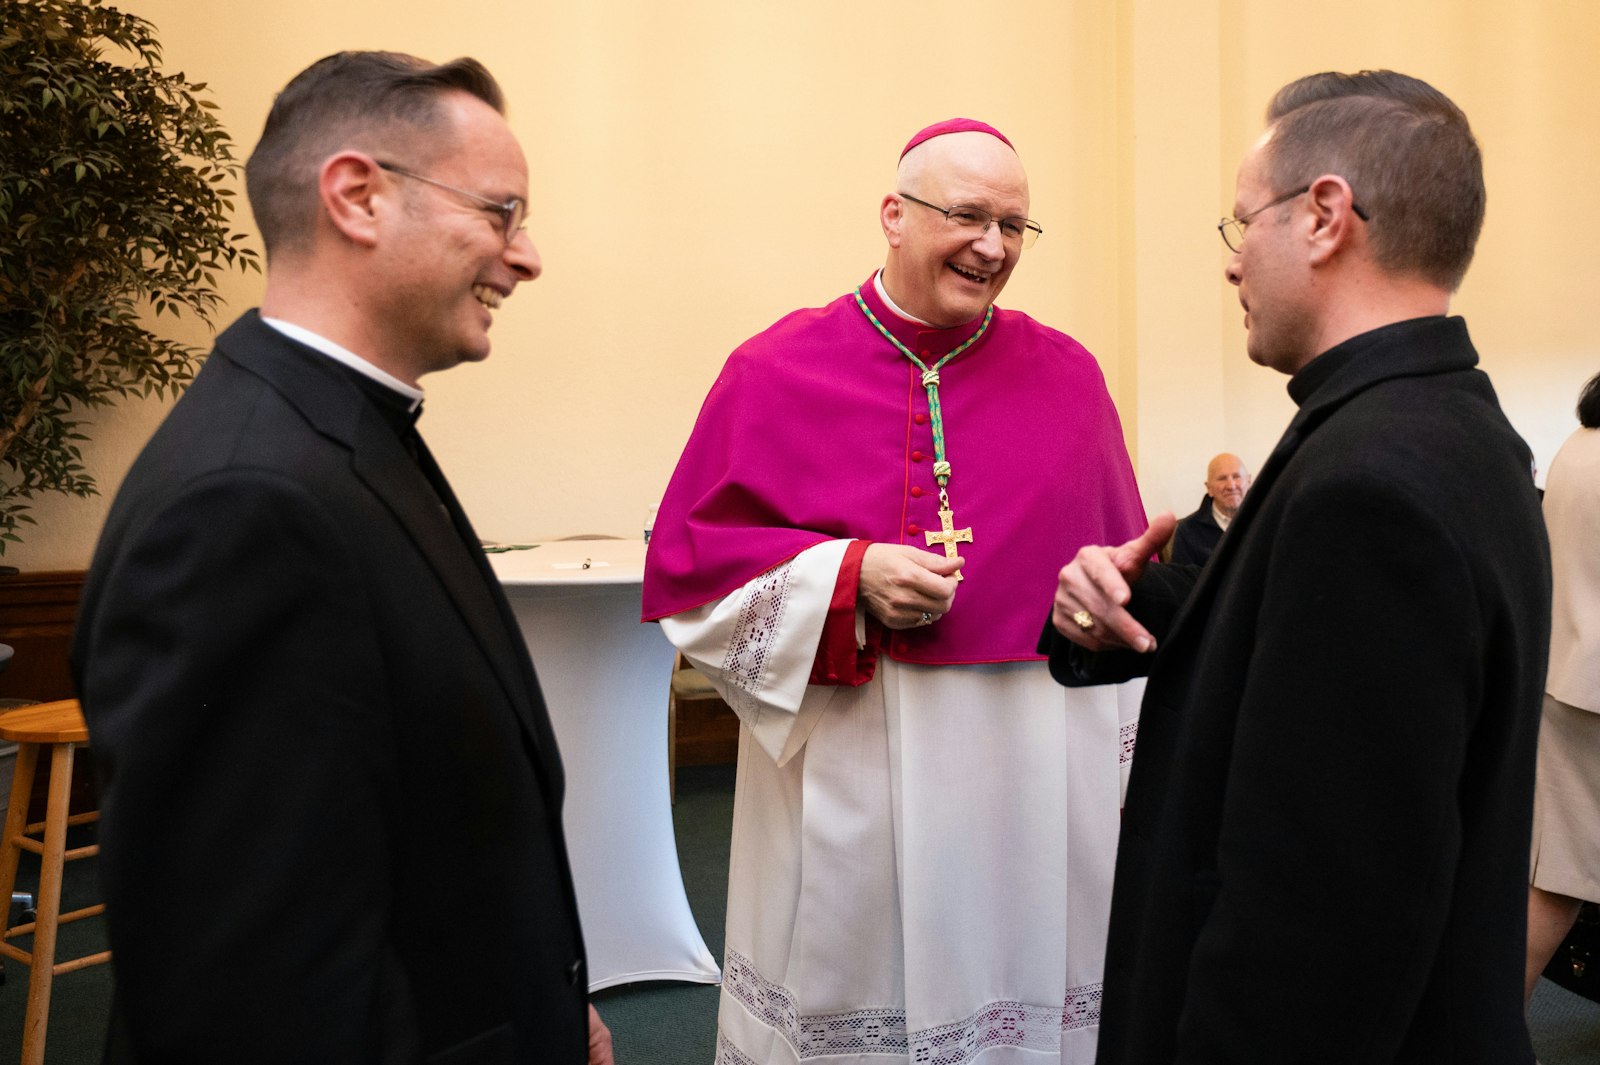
(1095, 586)
(905, 587)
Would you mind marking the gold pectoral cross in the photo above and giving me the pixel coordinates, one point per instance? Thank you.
(950, 536)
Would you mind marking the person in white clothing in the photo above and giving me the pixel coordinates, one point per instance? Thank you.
(1565, 867)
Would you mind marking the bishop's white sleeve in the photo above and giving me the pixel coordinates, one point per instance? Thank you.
(758, 643)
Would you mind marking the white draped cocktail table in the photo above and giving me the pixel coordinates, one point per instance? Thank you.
(605, 679)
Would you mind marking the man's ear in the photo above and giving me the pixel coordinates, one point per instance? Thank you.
(348, 188)
(891, 216)
(1332, 206)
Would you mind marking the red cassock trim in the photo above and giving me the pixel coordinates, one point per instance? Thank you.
(839, 661)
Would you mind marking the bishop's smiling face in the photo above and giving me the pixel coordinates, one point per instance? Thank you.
(938, 271)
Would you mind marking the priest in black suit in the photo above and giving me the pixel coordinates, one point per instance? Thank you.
(331, 794)
(1324, 852)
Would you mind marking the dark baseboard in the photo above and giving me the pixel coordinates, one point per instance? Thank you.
(708, 733)
(37, 611)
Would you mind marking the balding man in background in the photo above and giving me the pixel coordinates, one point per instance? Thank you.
(1196, 536)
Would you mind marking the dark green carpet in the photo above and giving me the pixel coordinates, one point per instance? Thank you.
(80, 1001)
(652, 1024)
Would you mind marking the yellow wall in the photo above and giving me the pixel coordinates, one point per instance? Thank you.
(1526, 74)
(701, 168)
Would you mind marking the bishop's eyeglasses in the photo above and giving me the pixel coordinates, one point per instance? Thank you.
(1013, 229)
(512, 213)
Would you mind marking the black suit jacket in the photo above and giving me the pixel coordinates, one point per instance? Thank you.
(1325, 845)
(331, 795)
(1196, 536)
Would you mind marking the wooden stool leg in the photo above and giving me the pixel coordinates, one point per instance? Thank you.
(672, 750)
(48, 905)
(16, 821)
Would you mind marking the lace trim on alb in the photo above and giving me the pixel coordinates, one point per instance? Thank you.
(728, 1054)
(760, 614)
(1011, 1024)
(1083, 1007)
(1129, 736)
(883, 1031)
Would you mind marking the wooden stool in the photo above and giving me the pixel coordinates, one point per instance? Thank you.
(58, 726)
(713, 728)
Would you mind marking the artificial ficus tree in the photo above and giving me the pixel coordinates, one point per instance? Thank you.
(114, 204)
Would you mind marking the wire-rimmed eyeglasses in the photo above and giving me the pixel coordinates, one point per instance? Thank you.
(512, 213)
(1013, 229)
(1232, 229)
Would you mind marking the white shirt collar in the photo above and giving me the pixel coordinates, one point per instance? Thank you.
(346, 356)
(883, 294)
(1223, 521)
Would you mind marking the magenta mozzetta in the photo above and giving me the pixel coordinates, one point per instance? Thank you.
(818, 429)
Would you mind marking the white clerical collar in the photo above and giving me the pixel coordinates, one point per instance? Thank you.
(1223, 521)
(346, 356)
(883, 294)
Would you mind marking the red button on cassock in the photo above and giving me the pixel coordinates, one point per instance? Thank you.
(916, 456)
(912, 530)
(921, 419)
(916, 492)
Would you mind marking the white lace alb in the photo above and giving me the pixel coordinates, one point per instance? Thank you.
(883, 1031)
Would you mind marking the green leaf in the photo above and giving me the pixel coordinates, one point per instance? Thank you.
(91, 263)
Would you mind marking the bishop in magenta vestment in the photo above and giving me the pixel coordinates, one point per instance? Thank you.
(925, 823)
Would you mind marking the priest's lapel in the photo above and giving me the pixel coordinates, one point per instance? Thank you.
(433, 519)
(535, 716)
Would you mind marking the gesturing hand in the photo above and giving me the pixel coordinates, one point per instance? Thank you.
(600, 1051)
(904, 587)
(1094, 588)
